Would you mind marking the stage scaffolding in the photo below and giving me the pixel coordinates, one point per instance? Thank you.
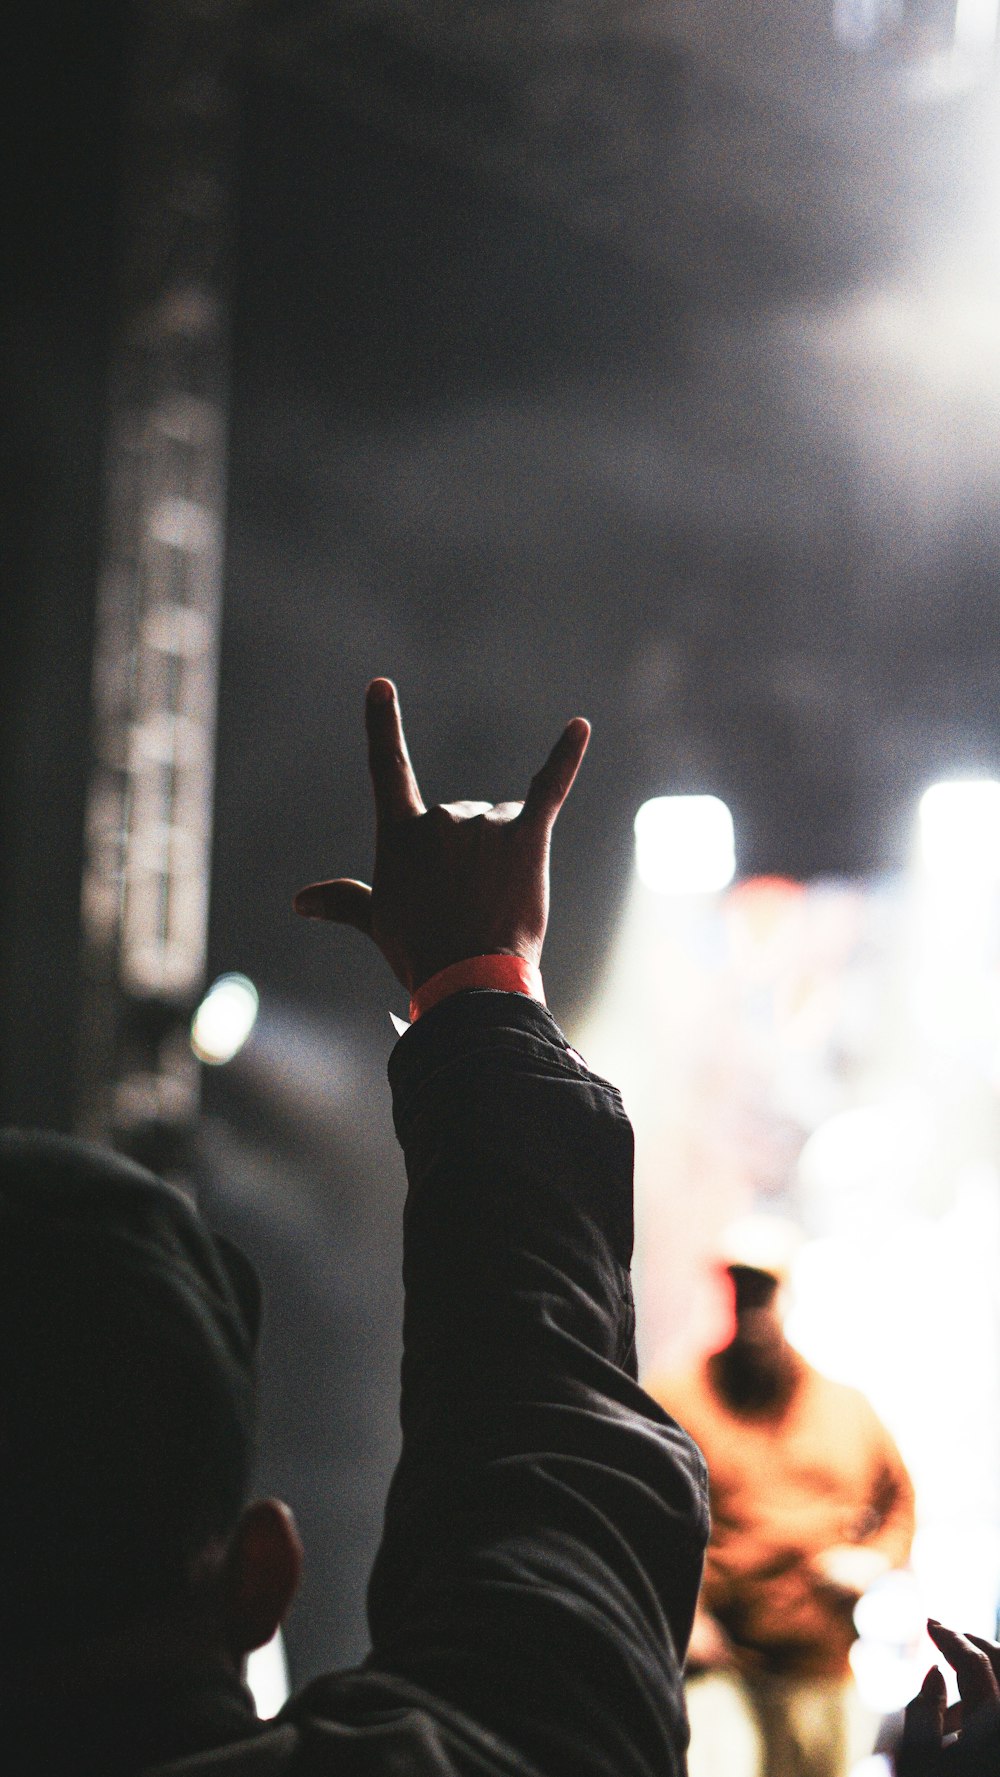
(149, 811)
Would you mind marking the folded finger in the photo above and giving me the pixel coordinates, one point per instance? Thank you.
(953, 1718)
(344, 901)
(992, 1651)
(466, 811)
(550, 786)
(397, 793)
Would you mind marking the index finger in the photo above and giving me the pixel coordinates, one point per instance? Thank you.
(397, 793)
(551, 786)
(977, 1681)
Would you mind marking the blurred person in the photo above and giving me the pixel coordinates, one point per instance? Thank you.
(963, 1740)
(534, 1590)
(811, 1503)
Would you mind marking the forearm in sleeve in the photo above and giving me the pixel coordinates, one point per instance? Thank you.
(545, 1527)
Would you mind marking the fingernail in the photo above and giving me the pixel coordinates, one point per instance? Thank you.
(309, 901)
(380, 691)
(932, 1623)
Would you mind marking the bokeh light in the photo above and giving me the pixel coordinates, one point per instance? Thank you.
(224, 1020)
(684, 845)
(960, 831)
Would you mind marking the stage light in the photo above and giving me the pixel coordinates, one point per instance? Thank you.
(267, 1677)
(960, 831)
(976, 26)
(684, 845)
(224, 1019)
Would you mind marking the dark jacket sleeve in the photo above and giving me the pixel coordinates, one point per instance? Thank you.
(546, 1524)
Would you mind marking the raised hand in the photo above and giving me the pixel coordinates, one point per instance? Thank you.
(922, 1752)
(457, 880)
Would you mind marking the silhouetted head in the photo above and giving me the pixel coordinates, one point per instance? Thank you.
(755, 1372)
(758, 1320)
(128, 1338)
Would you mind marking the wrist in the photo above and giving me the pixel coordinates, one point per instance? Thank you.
(500, 971)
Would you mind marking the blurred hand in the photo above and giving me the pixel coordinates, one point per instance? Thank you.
(709, 1649)
(458, 880)
(922, 1752)
(850, 1568)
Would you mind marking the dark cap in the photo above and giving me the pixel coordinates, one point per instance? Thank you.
(128, 1335)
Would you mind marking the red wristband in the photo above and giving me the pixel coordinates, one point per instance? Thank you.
(510, 974)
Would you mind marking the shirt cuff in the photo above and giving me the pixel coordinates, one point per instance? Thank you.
(508, 974)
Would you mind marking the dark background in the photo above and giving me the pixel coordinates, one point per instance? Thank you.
(581, 362)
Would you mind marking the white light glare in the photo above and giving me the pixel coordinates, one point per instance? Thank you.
(976, 26)
(684, 845)
(960, 831)
(267, 1677)
(224, 1019)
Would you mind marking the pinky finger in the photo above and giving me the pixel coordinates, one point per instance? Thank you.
(551, 785)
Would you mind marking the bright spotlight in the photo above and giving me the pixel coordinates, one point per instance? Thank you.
(224, 1019)
(976, 26)
(960, 831)
(684, 845)
(267, 1677)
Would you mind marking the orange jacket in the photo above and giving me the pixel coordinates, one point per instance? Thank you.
(784, 1488)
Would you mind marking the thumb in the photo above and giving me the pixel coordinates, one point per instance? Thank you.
(344, 901)
(923, 1722)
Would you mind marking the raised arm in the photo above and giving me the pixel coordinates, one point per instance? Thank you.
(544, 1534)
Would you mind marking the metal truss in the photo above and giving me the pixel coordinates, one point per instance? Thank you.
(149, 814)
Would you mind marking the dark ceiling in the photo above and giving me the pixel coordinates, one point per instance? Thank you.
(595, 358)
